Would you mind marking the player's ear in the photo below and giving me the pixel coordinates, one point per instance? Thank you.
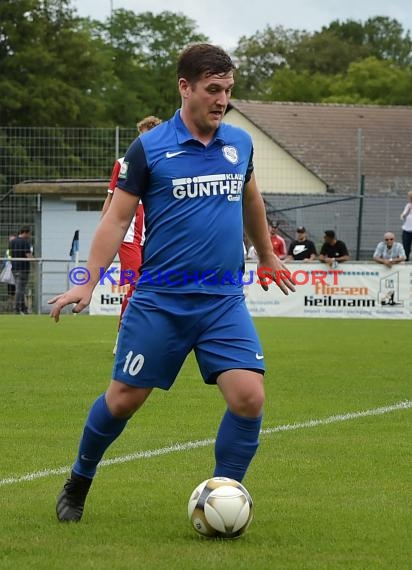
(184, 87)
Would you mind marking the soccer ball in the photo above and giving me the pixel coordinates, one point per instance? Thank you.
(220, 507)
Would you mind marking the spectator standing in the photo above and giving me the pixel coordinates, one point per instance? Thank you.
(278, 243)
(21, 247)
(302, 248)
(406, 217)
(389, 251)
(333, 250)
(11, 289)
(7, 277)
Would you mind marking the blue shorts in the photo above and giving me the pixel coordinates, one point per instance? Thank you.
(159, 330)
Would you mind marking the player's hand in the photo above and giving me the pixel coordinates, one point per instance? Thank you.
(271, 269)
(79, 296)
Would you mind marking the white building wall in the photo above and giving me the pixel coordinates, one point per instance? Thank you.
(277, 172)
(59, 221)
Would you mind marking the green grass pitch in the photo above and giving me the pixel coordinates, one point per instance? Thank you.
(328, 495)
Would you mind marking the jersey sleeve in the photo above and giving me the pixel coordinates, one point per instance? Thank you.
(134, 173)
(250, 167)
(114, 177)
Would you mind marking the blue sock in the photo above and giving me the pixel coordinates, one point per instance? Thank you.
(101, 429)
(236, 444)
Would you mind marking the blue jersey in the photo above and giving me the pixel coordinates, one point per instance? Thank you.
(192, 197)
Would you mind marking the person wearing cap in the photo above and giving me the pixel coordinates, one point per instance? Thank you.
(389, 251)
(302, 248)
(278, 243)
(333, 250)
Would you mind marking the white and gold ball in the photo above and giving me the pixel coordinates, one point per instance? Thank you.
(220, 507)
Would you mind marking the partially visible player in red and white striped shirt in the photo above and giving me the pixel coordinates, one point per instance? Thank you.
(130, 252)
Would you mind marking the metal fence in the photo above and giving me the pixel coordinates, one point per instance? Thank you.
(341, 213)
(47, 278)
(79, 153)
(32, 153)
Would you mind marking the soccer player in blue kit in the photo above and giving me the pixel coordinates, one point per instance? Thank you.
(194, 175)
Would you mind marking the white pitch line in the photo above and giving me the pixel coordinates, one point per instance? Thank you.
(342, 417)
(205, 442)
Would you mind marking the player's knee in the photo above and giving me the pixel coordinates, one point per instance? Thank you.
(123, 400)
(248, 402)
(253, 405)
(243, 392)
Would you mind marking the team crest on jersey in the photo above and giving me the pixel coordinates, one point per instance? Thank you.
(123, 170)
(230, 153)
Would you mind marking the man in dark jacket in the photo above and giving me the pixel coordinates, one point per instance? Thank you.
(20, 247)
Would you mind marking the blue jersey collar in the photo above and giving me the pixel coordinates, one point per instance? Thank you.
(184, 135)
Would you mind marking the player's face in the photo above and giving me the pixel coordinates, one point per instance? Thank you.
(206, 100)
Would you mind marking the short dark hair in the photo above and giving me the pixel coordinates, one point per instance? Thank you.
(25, 230)
(330, 234)
(203, 59)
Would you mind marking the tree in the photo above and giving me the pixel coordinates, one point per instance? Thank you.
(325, 52)
(381, 37)
(290, 85)
(261, 56)
(373, 81)
(144, 49)
(52, 71)
(388, 40)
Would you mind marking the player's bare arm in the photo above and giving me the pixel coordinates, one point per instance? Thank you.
(256, 229)
(106, 241)
(107, 203)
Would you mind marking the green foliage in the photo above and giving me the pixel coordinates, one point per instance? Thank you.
(366, 82)
(336, 46)
(57, 69)
(387, 40)
(260, 57)
(51, 69)
(372, 81)
(280, 64)
(144, 49)
(289, 85)
(325, 52)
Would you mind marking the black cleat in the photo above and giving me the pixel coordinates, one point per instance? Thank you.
(70, 502)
